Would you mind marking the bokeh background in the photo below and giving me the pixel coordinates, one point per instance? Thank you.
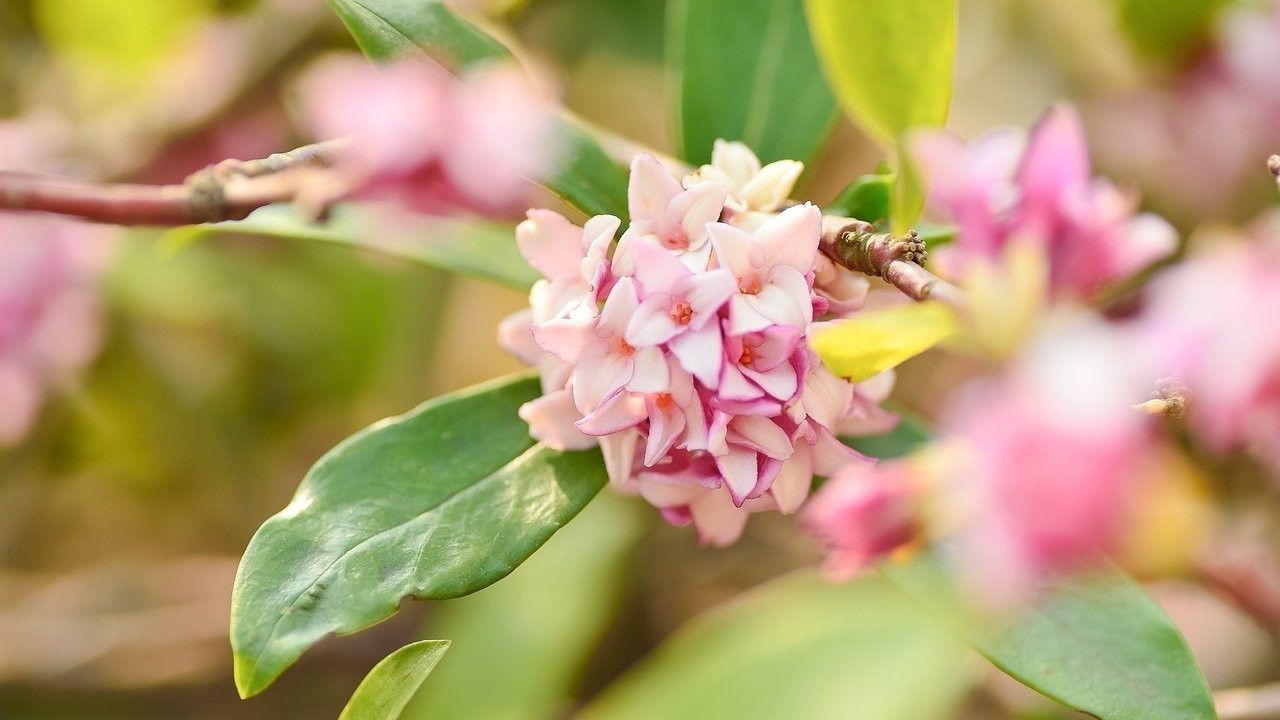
(227, 366)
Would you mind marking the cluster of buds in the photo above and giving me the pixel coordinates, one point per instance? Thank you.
(679, 346)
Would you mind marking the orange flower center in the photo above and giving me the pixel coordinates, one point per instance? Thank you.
(681, 313)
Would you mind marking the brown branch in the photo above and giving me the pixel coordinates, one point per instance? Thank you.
(1168, 400)
(229, 190)
(855, 245)
(1247, 583)
(1273, 166)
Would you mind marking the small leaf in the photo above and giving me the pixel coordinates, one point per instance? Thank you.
(891, 64)
(391, 683)
(585, 177)
(871, 342)
(533, 634)
(798, 647)
(435, 504)
(746, 70)
(868, 198)
(910, 433)
(1101, 645)
(477, 248)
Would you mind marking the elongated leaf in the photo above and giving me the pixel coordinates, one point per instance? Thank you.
(532, 634)
(586, 177)
(910, 434)
(746, 70)
(1103, 646)
(1094, 643)
(386, 29)
(435, 504)
(477, 248)
(799, 648)
(868, 198)
(388, 687)
(871, 342)
(891, 64)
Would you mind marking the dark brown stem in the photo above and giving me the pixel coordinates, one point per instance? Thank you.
(229, 190)
(855, 245)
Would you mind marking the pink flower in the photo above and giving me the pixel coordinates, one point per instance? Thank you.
(433, 142)
(863, 514)
(1208, 324)
(682, 349)
(50, 321)
(1001, 189)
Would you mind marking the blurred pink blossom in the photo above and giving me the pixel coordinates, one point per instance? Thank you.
(1006, 187)
(1210, 323)
(865, 513)
(436, 143)
(682, 352)
(50, 320)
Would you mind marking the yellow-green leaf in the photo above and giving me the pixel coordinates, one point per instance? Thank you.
(872, 342)
(387, 688)
(891, 64)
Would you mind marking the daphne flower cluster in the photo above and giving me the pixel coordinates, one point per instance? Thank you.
(433, 142)
(1007, 188)
(679, 346)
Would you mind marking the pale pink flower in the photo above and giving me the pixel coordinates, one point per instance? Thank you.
(1208, 322)
(1002, 188)
(682, 350)
(431, 141)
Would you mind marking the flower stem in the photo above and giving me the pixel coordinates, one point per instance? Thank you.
(897, 259)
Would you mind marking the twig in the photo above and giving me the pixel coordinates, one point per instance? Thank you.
(1246, 583)
(1273, 166)
(229, 190)
(1252, 703)
(1168, 400)
(855, 245)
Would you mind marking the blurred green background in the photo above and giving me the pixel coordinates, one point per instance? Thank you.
(230, 365)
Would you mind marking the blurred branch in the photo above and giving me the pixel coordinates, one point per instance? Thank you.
(1253, 703)
(1168, 400)
(1273, 166)
(1247, 581)
(855, 245)
(229, 190)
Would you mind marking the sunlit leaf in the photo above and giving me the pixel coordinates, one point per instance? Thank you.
(799, 648)
(868, 198)
(434, 504)
(387, 688)
(746, 70)
(871, 342)
(891, 64)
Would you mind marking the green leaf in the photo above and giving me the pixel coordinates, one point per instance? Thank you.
(1169, 28)
(1096, 643)
(868, 198)
(391, 683)
(386, 29)
(911, 433)
(874, 341)
(891, 64)
(746, 70)
(533, 633)
(798, 648)
(1101, 645)
(586, 177)
(477, 248)
(434, 504)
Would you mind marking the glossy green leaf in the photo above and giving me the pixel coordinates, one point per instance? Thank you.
(746, 70)
(1103, 646)
(586, 177)
(477, 248)
(434, 504)
(533, 633)
(1169, 28)
(910, 433)
(892, 66)
(868, 198)
(799, 648)
(386, 29)
(387, 688)
(1096, 643)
